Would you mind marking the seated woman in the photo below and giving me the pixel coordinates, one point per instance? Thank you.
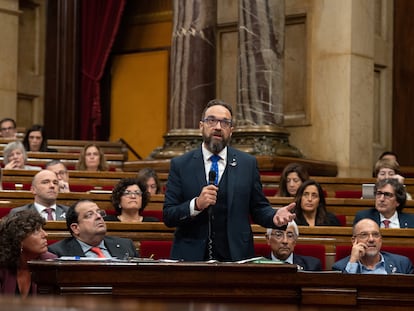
(22, 239)
(389, 168)
(149, 177)
(311, 206)
(15, 157)
(92, 159)
(129, 198)
(36, 139)
(293, 175)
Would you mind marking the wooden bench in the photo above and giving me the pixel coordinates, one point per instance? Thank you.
(333, 185)
(274, 165)
(80, 181)
(346, 207)
(330, 237)
(75, 146)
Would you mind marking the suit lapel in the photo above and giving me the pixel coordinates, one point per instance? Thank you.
(232, 175)
(197, 166)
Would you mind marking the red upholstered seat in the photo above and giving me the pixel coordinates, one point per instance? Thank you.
(348, 194)
(314, 250)
(156, 214)
(155, 249)
(12, 186)
(342, 219)
(345, 250)
(4, 211)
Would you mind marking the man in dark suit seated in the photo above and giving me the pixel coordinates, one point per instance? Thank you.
(390, 198)
(283, 244)
(85, 222)
(366, 255)
(45, 187)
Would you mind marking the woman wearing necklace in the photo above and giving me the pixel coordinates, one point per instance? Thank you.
(129, 198)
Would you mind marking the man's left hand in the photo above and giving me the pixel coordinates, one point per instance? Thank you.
(284, 215)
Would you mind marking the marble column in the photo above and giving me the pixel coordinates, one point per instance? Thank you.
(192, 73)
(9, 30)
(259, 120)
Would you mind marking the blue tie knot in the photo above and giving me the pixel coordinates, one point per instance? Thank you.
(215, 158)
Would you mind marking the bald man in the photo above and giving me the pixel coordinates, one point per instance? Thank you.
(45, 187)
(366, 255)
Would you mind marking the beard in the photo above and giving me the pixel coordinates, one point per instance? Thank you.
(214, 145)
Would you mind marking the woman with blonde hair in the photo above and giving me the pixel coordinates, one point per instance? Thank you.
(92, 158)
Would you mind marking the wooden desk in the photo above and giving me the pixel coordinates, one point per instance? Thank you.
(102, 303)
(221, 282)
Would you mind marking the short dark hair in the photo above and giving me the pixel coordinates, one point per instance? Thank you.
(119, 190)
(72, 216)
(215, 102)
(399, 190)
(8, 119)
(385, 153)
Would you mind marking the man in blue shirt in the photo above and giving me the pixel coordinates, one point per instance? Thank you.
(366, 256)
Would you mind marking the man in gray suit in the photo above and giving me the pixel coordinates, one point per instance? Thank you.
(45, 187)
(85, 222)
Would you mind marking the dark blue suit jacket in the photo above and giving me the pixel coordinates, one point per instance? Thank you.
(117, 247)
(393, 264)
(244, 198)
(307, 263)
(406, 220)
(60, 210)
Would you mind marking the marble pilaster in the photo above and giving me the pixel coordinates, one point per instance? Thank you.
(259, 121)
(9, 23)
(192, 73)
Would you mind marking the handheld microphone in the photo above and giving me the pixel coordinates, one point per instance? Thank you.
(211, 181)
(211, 177)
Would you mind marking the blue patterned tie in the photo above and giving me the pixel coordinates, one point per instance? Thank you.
(214, 166)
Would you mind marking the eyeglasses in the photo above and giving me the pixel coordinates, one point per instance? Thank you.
(224, 123)
(387, 195)
(90, 214)
(365, 235)
(61, 173)
(279, 235)
(128, 193)
(3, 129)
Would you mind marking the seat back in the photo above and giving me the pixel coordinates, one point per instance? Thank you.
(155, 249)
(345, 250)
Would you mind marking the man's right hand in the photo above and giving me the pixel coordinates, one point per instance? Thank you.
(358, 251)
(207, 197)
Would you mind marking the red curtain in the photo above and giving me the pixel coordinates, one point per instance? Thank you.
(100, 21)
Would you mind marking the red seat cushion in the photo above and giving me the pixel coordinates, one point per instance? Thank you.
(156, 214)
(155, 249)
(4, 211)
(348, 194)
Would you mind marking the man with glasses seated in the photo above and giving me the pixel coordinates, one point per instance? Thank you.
(8, 128)
(61, 172)
(282, 244)
(85, 222)
(390, 198)
(366, 255)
